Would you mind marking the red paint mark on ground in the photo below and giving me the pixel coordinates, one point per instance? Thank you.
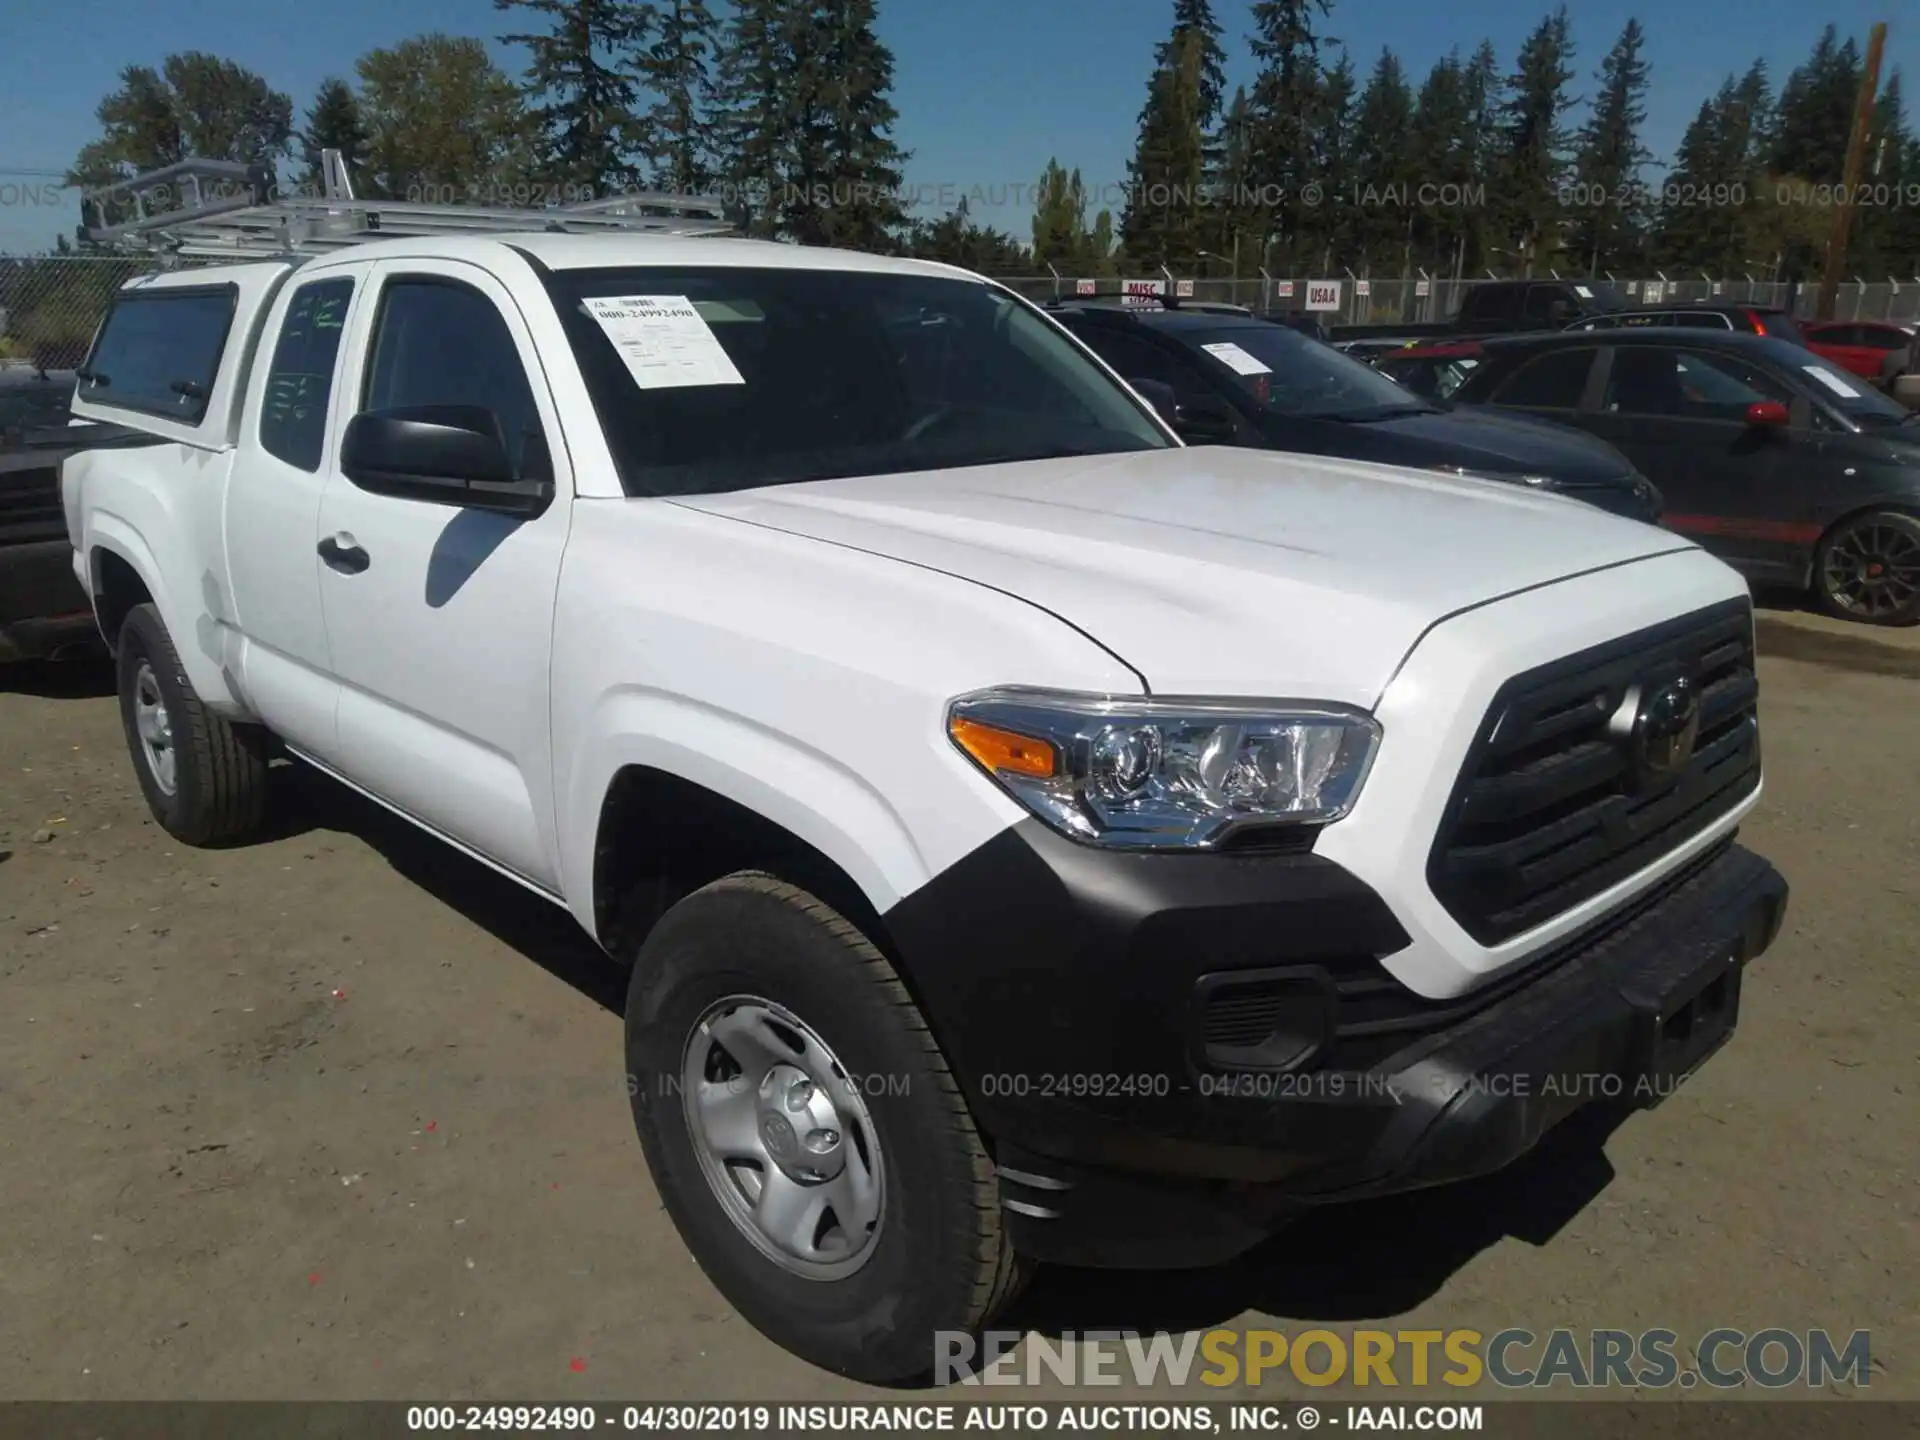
(314, 1278)
(433, 1124)
(577, 1364)
(339, 994)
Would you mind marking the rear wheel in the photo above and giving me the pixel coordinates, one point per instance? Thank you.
(205, 778)
(805, 1133)
(1868, 569)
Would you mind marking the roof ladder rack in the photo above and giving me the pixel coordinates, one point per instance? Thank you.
(225, 210)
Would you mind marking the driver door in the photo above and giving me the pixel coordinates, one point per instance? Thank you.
(439, 618)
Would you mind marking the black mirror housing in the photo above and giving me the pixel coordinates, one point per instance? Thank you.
(442, 454)
(1206, 420)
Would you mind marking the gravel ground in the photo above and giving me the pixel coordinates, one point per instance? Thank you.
(340, 1115)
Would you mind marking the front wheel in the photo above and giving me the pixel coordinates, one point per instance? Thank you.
(1869, 569)
(205, 778)
(806, 1135)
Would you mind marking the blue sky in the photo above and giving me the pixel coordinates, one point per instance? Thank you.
(987, 90)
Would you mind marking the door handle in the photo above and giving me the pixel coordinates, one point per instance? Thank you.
(348, 559)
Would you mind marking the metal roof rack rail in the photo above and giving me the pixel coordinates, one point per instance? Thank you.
(219, 209)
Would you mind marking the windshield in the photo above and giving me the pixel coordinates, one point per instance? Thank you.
(1294, 375)
(727, 377)
(1844, 391)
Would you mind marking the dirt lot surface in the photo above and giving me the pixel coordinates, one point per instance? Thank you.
(340, 1115)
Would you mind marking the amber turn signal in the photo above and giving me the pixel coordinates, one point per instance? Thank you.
(1003, 751)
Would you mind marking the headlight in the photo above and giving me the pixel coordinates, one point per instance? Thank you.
(1506, 477)
(1148, 773)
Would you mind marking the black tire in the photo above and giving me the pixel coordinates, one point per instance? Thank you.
(1868, 569)
(940, 1259)
(219, 789)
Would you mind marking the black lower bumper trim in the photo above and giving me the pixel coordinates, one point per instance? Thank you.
(1167, 1162)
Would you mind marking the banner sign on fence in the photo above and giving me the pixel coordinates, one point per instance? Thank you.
(1283, 289)
(1086, 287)
(1363, 287)
(1654, 291)
(1141, 292)
(1183, 289)
(1323, 294)
(1422, 289)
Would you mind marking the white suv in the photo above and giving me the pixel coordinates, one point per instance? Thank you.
(1031, 838)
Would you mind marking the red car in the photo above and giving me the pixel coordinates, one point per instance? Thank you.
(1857, 345)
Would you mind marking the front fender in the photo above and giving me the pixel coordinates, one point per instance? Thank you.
(813, 796)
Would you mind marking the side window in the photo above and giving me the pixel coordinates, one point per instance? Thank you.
(1688, 384)
(1490, 303)
(1541, 304)
(159, 351)
(293, 417)
(1555, 381)
(1133, 358)
(438, 342)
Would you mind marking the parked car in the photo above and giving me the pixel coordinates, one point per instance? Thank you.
(1703, 315)
(1500, 307)
(42, 607)
(1433, 372)
(879, 678)
(1784, 465)
(1241, 382)
(1860, 346)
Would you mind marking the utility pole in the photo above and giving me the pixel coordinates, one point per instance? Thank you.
(1850, 177)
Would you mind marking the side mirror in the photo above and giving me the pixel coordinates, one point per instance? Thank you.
(444, 455)
(1768, 414)
(1206, 420)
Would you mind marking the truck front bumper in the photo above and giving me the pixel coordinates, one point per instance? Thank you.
(42, 604)
(1172, 1055)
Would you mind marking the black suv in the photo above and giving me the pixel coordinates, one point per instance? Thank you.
(1231, 380)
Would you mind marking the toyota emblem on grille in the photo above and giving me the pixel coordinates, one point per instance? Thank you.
(1659, 723)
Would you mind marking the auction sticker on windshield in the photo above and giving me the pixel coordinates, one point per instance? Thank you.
(663, 340)
(1242, 363)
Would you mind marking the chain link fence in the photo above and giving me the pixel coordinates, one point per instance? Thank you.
(51, 305)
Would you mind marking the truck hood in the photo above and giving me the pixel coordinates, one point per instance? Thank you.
(1219, 571)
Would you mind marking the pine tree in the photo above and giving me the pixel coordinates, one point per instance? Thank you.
(839, 169)
(1060, 234)
(1533, 158)
(752, 123)
(1235, 220)
(1280, 108)
(1483, 92)
(1382, 177)
(580, 79)
(678, 69)
(1441, 146)
(1886, 238)
(1325, 230)
(1608, 223)
(1816, 113)
(1164, 178)
(333, 123)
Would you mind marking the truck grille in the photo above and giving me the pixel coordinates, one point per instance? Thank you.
(30, 506)
(1550, 809)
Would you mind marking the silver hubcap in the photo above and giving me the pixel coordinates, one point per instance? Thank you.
(155, 727)
(784, 1138)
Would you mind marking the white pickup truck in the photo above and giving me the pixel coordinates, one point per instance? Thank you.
(1031, 837)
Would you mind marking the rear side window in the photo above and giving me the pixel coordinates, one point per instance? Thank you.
(293, 419)
(1494, 303)
(160, 350)
(1553, 382)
